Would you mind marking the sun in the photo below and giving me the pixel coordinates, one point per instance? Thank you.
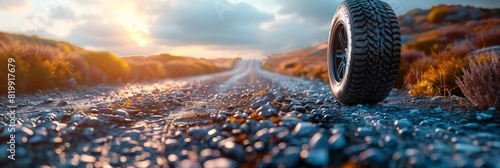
(143, 42)
(132, 20)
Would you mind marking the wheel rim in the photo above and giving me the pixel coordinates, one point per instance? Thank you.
(338, 45)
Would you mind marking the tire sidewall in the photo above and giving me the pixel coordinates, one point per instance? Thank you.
(342, 16)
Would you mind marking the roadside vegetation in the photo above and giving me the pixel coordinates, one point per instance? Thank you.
(443, 54)
(47, 64)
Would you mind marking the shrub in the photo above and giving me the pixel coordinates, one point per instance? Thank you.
(410, 56)
(485, 39)
(43, 64)
(413, 72)
(437, 77)
(423, 88)
(319, 72)
(480, 82)
(438, 14)
(146, 70)
(38, 67)
(112, 66)
(426, 45)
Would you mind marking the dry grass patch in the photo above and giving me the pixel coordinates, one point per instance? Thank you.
(481, 82)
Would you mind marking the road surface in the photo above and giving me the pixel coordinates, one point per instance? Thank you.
(245, 117)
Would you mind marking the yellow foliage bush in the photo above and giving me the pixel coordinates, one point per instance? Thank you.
(37, 67)
(423, 88)
(43, 64)
(438, 14)
(426, 45)
(437, 77)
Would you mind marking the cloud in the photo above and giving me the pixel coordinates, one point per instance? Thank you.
(97, 33)
(288, 33)
(318, 12)
(208, 22)
(199, 28)
(14, 4)
(62, 13)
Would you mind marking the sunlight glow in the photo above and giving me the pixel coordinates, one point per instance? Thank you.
(207, 52)
(132, 20)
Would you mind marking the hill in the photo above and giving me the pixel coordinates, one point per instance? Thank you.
(442, 31)
(43, 64)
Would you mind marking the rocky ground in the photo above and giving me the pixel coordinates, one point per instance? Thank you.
(246, 117)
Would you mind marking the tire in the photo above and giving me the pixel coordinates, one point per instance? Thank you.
(364, 48)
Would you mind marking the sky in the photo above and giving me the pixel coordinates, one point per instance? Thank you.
(196, 28)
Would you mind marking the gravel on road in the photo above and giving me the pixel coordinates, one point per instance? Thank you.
(247, 117)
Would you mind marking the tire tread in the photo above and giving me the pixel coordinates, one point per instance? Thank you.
(376, 51)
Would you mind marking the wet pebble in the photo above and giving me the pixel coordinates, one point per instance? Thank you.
(220, 162)
(373, 155)
(290, 122)
(316, 157)
(403, 123)
(257, 104)
(363, 132)
(471, 125)
(304, 129)
(268, 96)
(438, 110)
(285, 108)
(337, 141)
(483, 116)
(467, 148)
(300, 109)
(267, 110)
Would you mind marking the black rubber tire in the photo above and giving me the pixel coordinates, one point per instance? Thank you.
(371, 49)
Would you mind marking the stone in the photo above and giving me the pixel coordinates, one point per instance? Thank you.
(300, 109)
(186, 163)
(198, 133)
(89, 132)
(291, 156)
(363, 132)
(263, 135)
(90, 121)
(48, 101)
(62, 103)
(121, 112)
(257, 104)
(285, 108)
(268, 97)
(471, 125)
(290, 122)
(267, 110)
(483, 116)
(318, 157)
(393, 107)
(491, 111)
(337, 141)
(373, 155)
(36, 139)
(220, 162)
(319, 141)
(438, 110)
(76, 117)
(403, 123)
(278, 96)
(467, 148)
(414, 112)
(87, 158)
(304, 129)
